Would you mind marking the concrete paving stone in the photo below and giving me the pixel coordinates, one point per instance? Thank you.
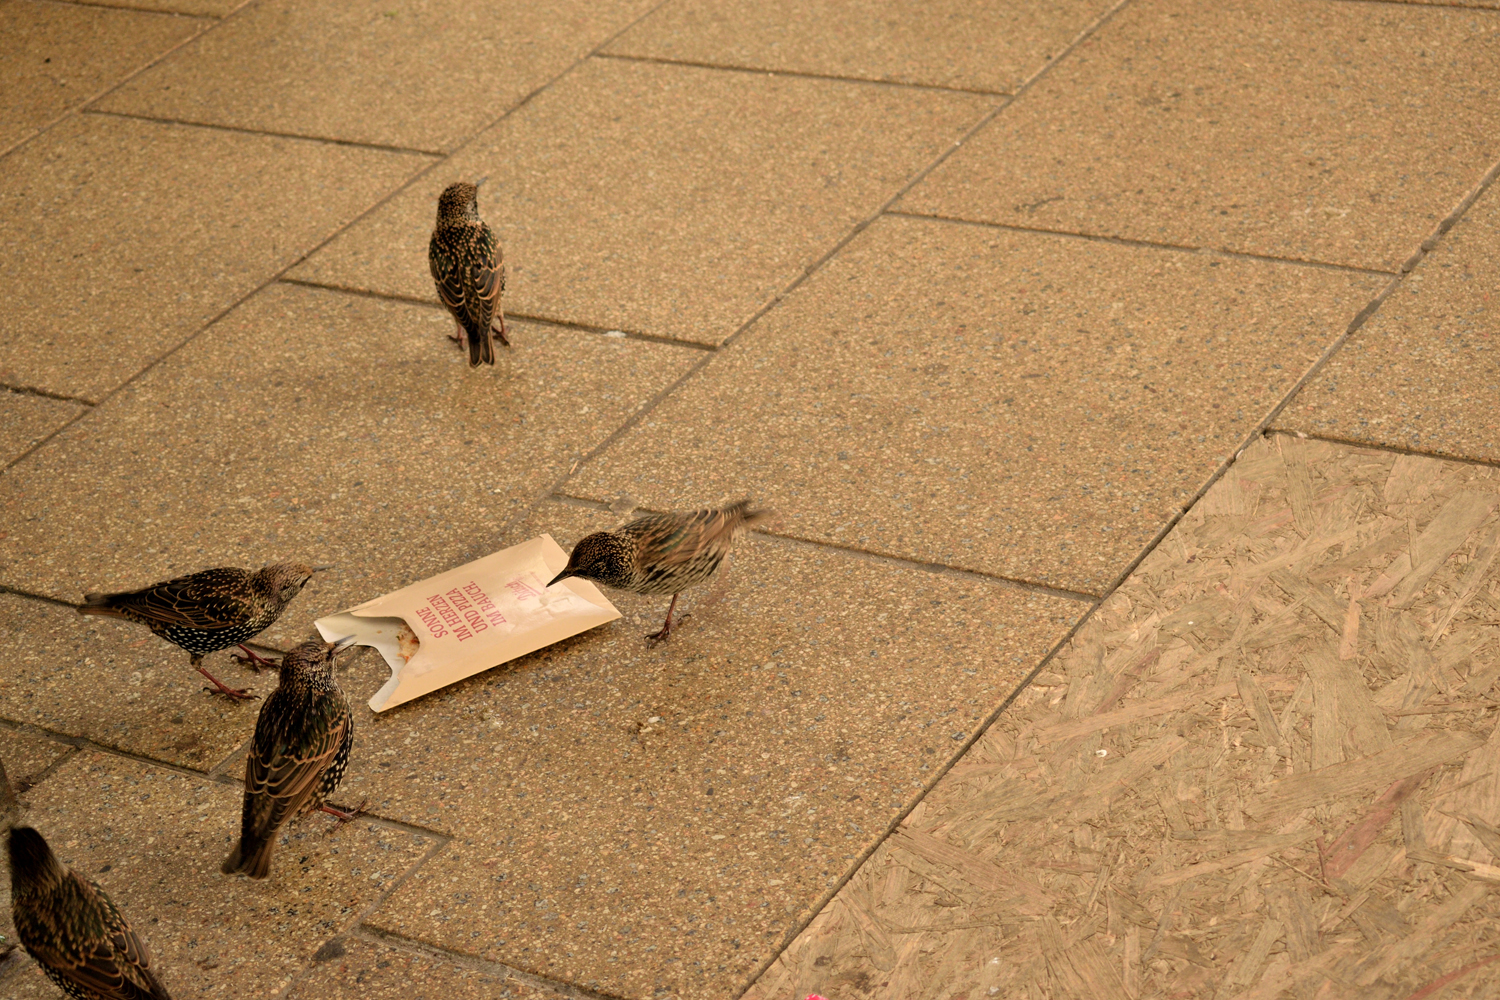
(993, 46)
(55, 56)
(663, 199)
(1307, 129)
(154, 839)
(116, 684)
(355, 969)
(652, 821)
(26, 419)
(324, 428)
(421, 74)
(126, 236)
(1423, 372)
(1027, 405)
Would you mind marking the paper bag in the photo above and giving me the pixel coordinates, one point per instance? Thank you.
(471, 618)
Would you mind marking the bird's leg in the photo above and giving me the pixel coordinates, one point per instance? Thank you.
(254, 660)
(238, 694)
(342, 816)
(460, 337)
(666, 629)
(504, 340)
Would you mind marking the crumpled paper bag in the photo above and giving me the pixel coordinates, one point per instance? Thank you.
(471, 618)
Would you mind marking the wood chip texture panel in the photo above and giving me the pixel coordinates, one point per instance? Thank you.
(1267, 767)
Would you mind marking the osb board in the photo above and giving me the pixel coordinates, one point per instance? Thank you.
(1265, 768)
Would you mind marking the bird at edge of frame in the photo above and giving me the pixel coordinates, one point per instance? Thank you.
(211, 610)
(661, 554)
(298, 755)
(68, 923)
(468, 268)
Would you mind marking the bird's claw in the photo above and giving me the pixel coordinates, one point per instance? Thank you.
(254, 660)
(661, 635)
(238, 694)
(343, 817)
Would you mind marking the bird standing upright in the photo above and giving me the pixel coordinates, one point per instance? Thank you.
(68, 923)
(298, 755)
(661, 553)
(468, 269)
(208, 611)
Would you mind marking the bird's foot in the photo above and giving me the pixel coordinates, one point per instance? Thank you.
(501, 330)
(238, 694)
(254, 660)
(457, 338)
(342, 816)
(652, 638)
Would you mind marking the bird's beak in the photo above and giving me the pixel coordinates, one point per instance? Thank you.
(481, 180)
(561, 576)
(339, 645)
(319, 569)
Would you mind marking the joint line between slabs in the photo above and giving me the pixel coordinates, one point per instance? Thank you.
(801, 74)
(1142, 244)
(1438, 456)
(934, 568)
(532, 318)
(338, 231)
(796, 930)
(241, 130)
(390, 939)
(31, 390)
(95, 4)
(209, 25)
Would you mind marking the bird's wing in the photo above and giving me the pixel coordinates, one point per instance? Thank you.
(676, 539)
(284, 770)
(489, 275)
(447, 275)
(84, 940)
(201, 601)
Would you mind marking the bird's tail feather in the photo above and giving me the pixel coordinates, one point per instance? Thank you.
(481, 348)
(253, 859)
(99, 604)
(741, 515)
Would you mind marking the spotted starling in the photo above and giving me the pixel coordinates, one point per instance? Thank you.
(72, 928)
(297, 759)
(209, 611)
(661, 553)
(468, 268)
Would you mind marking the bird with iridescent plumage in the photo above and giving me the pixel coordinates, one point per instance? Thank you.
(468, 269)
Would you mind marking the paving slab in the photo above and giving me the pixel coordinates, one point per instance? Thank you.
(356, 969)
(56, 56)
(993, 46)
(652, 821)
(1424, 372)
(1026, 405)
(668, 200)
(177, 223)
(116, 684)
(1313, 130)
(27, 419)
(319, 427)
(420, 74)
(1225, 782)
(154, 839)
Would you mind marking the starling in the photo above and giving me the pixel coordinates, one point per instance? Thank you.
(211, 610)
(469, 271)
(661, 553)
(72, 928)
(298, 756)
